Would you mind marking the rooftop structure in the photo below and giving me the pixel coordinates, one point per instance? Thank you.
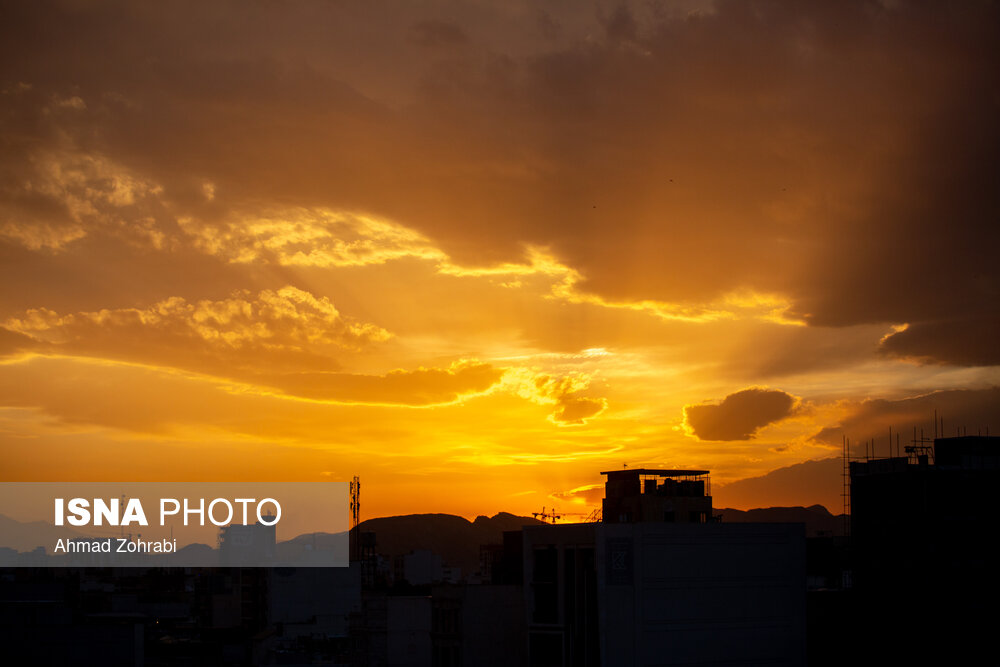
(635, 495)
(658, 472)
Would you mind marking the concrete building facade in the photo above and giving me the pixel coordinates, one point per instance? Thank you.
(659, 583)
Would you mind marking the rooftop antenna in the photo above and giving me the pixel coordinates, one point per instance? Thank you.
(847, 484)
(356, 514)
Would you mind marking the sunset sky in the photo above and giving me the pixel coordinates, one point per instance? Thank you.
(477, 252)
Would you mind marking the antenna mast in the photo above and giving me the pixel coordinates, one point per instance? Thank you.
(355, 515)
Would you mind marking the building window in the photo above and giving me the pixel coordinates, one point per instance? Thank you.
(545, 585)
(545, 650)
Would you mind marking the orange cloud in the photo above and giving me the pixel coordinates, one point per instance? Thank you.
(420, 387)
(739, 416)
(12, 342)
(64, 193)
(246, 337)
(564, 394)
(818, 481)
(308, 237)
(269, 323)
(589, 493)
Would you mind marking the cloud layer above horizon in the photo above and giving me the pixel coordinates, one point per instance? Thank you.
(499, 244)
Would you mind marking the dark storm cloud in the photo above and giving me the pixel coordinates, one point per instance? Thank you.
(739, 416)
(438, 34)
(620, 25)
(844, 154)
(963, 340)
(973, 410)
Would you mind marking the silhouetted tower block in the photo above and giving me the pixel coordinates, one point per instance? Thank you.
(914, 521)
(645, 495)
(239, 544)
(658, 583)
(923, 537)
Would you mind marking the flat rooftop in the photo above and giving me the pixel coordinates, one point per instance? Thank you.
(657, 472)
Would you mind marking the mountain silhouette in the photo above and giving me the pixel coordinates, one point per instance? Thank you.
(817, 518)
(25, 536)
(457, 540)
(454, 538)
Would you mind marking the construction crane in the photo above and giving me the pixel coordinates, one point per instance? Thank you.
(554, 515)
(545, 516)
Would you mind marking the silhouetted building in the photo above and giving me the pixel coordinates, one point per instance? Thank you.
(923, 538)
(560, 593)
(670, 496)
(422, 567)
(408, 631)
(658, 583)
(478, 625)
(509, 569)
(241, 544)
(310, 611)
(922, 519)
